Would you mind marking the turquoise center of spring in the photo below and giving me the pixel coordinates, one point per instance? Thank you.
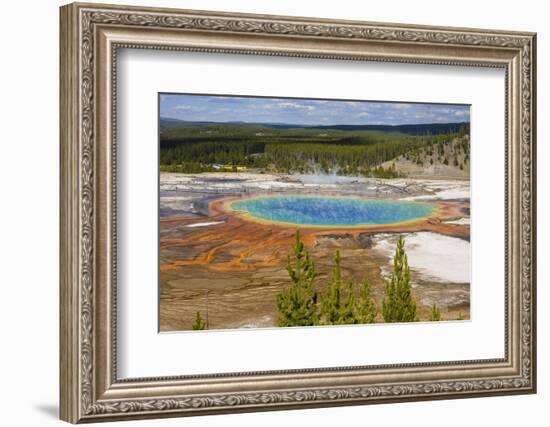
(332, 211)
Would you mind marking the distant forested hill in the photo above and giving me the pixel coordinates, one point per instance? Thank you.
(419, 129)
(411, 129)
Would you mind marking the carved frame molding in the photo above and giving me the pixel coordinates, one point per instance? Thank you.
(90, 37)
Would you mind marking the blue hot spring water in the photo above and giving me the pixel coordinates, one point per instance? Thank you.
(332, 211)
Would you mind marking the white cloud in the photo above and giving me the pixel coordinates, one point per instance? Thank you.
(401, 106)
(293, 106)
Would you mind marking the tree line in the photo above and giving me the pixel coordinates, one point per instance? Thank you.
(344, 301)
(197, 150)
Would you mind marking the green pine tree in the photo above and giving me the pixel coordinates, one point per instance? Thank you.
(365, 309)
(347, 309)
(398, 304)
(297, 304)
(199, 324)
(331, 301)
(435, 313)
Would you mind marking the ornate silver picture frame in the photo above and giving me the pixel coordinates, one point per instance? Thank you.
(91, 36)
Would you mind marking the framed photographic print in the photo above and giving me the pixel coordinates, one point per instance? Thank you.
(265, 212)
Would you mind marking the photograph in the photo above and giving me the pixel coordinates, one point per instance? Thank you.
(303, 212)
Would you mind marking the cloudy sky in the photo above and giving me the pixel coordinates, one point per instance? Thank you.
(306, 112)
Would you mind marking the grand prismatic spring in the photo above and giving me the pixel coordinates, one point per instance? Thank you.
(327, 211)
